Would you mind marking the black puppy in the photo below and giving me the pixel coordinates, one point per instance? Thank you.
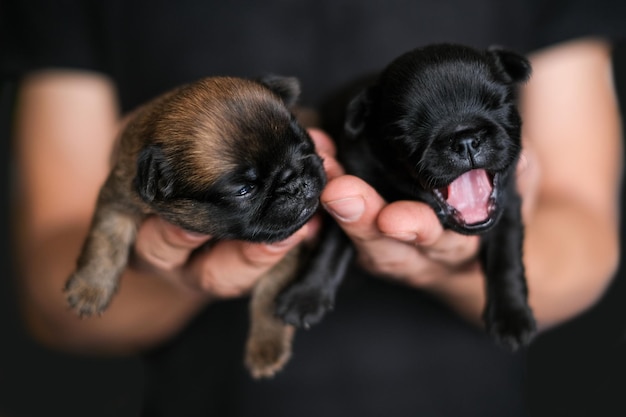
(439, 125)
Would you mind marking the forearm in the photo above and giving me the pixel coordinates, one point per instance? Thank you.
(464, 292)
(571, 256)
(571, 245)
(145, 311)
(66, 124)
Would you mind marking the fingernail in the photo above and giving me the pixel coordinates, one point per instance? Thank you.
(346, 209)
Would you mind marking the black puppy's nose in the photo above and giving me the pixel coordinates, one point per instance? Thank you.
(468, 147)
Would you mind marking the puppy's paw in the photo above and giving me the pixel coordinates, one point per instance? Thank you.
(512, 328)
(303, 307)
(87, 297)
(266, 354)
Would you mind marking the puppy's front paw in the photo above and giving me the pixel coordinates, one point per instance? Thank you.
(87, 297)
(303, 307)
(268, 352)
(511, 327)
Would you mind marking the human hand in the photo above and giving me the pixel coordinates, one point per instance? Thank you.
(404, 240)
(227, 269)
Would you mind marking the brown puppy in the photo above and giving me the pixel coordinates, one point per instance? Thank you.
(222, 156)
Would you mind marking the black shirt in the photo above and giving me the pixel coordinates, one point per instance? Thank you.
(150, 46)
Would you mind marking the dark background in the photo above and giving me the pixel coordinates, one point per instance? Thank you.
(578, 369)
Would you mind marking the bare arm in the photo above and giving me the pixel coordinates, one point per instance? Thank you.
(65, 129)
(569, 183)
(572, 117)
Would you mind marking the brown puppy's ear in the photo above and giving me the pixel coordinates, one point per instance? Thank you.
(357, 112)
(513, 67)
(287, 88)
(153, 178)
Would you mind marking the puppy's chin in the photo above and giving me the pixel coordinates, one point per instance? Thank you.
(269, 233)
(238, 223)
(470, 204)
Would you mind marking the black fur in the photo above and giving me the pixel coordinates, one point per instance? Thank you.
(434, 114)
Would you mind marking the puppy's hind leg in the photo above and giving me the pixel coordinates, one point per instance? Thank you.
(103, 257)
(508, 317)
(268, 347)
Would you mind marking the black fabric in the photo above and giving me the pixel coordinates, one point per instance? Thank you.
(150, 46)
(386, 350)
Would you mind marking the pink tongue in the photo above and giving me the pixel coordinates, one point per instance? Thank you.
(469, 194)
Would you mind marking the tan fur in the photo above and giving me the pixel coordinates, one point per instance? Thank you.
(269, 340)
(201, 136)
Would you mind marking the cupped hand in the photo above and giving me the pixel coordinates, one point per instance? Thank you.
(223, 269)
(404, 240)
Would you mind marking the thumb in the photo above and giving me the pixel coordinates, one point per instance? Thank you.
(355, 206)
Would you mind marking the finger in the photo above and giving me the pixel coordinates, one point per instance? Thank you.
(165, 246)
(323, 143)
(528, 181)
(326, 149)
(231, 268)
(416, 223)
(312, 227)
(354, 205)
(410, 221)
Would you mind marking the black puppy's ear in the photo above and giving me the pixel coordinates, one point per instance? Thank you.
(287, 88)
(357, 112)
(514, 67)
(153, 178)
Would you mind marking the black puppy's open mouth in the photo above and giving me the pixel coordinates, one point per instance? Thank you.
(470, 198)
